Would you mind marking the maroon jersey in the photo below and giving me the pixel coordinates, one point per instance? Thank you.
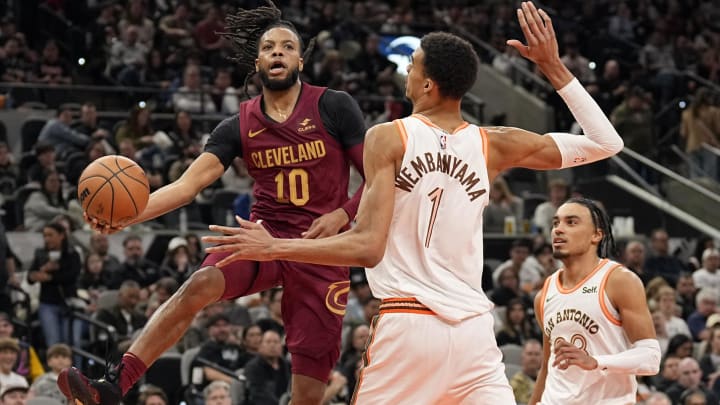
(300, 170)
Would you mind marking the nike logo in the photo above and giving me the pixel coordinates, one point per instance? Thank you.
(253, 134)
(549, 298)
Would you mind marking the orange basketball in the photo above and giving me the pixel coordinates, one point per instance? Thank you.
(113, 190)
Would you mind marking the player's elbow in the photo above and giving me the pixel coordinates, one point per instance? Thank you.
(617, 146)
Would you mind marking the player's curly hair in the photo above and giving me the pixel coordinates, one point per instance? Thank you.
(244, 29)
(606, 247)
(451, 62)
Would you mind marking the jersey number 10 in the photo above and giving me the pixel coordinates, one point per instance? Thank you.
(295, 178)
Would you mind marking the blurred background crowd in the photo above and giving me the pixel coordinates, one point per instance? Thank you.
(149, 79)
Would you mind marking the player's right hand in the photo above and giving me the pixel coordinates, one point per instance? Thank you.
(542, 46)
(100, 226)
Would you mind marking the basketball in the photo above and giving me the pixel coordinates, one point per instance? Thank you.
(113, 190)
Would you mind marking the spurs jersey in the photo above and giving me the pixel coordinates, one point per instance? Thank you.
(585, 317)
(435, 247)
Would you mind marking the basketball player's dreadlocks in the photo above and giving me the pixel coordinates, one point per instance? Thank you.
(244, 29)
(600, 219)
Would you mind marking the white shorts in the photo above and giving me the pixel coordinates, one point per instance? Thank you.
(414, 357)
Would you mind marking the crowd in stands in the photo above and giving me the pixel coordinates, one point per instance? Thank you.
(643, 61)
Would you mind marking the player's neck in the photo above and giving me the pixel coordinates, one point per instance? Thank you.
(445, 114)
(281, 103)
(577, 268)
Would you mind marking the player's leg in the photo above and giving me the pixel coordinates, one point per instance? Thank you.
(406, 361)
(480, 374)
(168, 324)
(313, 305)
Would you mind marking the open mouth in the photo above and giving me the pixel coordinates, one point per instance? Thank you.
(558, 241)
(277, 68)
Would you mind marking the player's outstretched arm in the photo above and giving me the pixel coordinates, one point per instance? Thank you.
(203, 171)
(513, 147)
(542, 374)
(363, 245)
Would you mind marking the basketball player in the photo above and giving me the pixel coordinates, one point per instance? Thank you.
(419, 227)
(598, 332)
(296, 140)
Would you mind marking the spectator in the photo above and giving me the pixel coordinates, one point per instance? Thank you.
(657, 60)
(164, 288)
(28, 363)
(57, 132)
(690, 377)
(710, 360)
(43, 205)
(127, 58)
(190, 152)
(124, 316)
(217, 393)
(706, 303)
(195, 250)
(523, 382)
(268, 374)
(137, 129)
(183, 133)
(355, 345)
(45, 155)
(99, 245)
(633, 118)
(578, 64)
(136, 267)
(136, 15)
(657, 398)
(558, 192)
(708, 276)
(52, 69)
(621, 24)
(9, 171)
(152, 395)
(221, 351)
(666, 302)
(519, 252)
(14, 67)
(176, 28)
(661, 263)
(611, 85)
(502, 204)
(359, 291)
(252, 338)
(9, 350)
(56, 267)
(661, 334)
(176, 264)
(634, 259)
(508, 288)
(701, 125)
(537, 268)
(668, 373)
(191, 97)
(59, 357)
(695, 397)
(223, 94)
(94, 277)
(88, 123)
(14, 394)
(206, 31)
(680, 346)
(517, 327)
(686, 294)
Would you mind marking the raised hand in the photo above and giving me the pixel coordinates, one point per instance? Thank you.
(542, 46)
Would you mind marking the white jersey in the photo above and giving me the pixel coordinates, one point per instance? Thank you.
(585, 317)
(435, 247)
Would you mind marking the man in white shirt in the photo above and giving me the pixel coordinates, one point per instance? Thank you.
(708, 276)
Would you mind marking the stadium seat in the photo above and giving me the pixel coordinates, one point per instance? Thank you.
(511, 370)
(21, 196)
(3, 132)
(511, 353)
(30, 131)
(186, 365)
(165, 373)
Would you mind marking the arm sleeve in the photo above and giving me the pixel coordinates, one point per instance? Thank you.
(342, 118)
(601, 140)
(643, 358)
(224, 141)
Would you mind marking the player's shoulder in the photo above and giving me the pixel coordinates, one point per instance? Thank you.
(384, 136)
(337, 99)
(621, 277)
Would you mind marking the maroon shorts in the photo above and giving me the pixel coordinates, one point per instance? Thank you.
(313, 306)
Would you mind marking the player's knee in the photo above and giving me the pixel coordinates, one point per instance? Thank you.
(204, 286)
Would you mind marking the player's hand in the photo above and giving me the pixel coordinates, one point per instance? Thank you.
(542, 46)
(567, 354)
(100, 226)
(327, 225)
(248, 241)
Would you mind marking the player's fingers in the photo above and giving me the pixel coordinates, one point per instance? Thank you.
(221, 240)
(314, 232)
(227, 230)
(247, 224)
(529, 37)
(519, 46)
(536, 21)
(532, 26)
(548, 23)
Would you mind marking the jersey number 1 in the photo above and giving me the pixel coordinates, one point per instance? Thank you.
(294, 177)
(435, 197)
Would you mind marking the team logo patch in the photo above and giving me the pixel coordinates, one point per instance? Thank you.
(336, 297)
(306, 125)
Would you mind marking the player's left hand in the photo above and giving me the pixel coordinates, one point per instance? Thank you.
(327, 225)
(248, 241)
(567, 354)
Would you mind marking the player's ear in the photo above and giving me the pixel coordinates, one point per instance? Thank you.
(429, 84)
(301, 64)
(257, 69)
(598, 236)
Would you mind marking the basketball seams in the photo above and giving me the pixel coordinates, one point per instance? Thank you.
(132, 198)
(123, 171)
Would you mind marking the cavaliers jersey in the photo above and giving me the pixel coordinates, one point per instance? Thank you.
(434, 250)
(585, 317)
(300, 170)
